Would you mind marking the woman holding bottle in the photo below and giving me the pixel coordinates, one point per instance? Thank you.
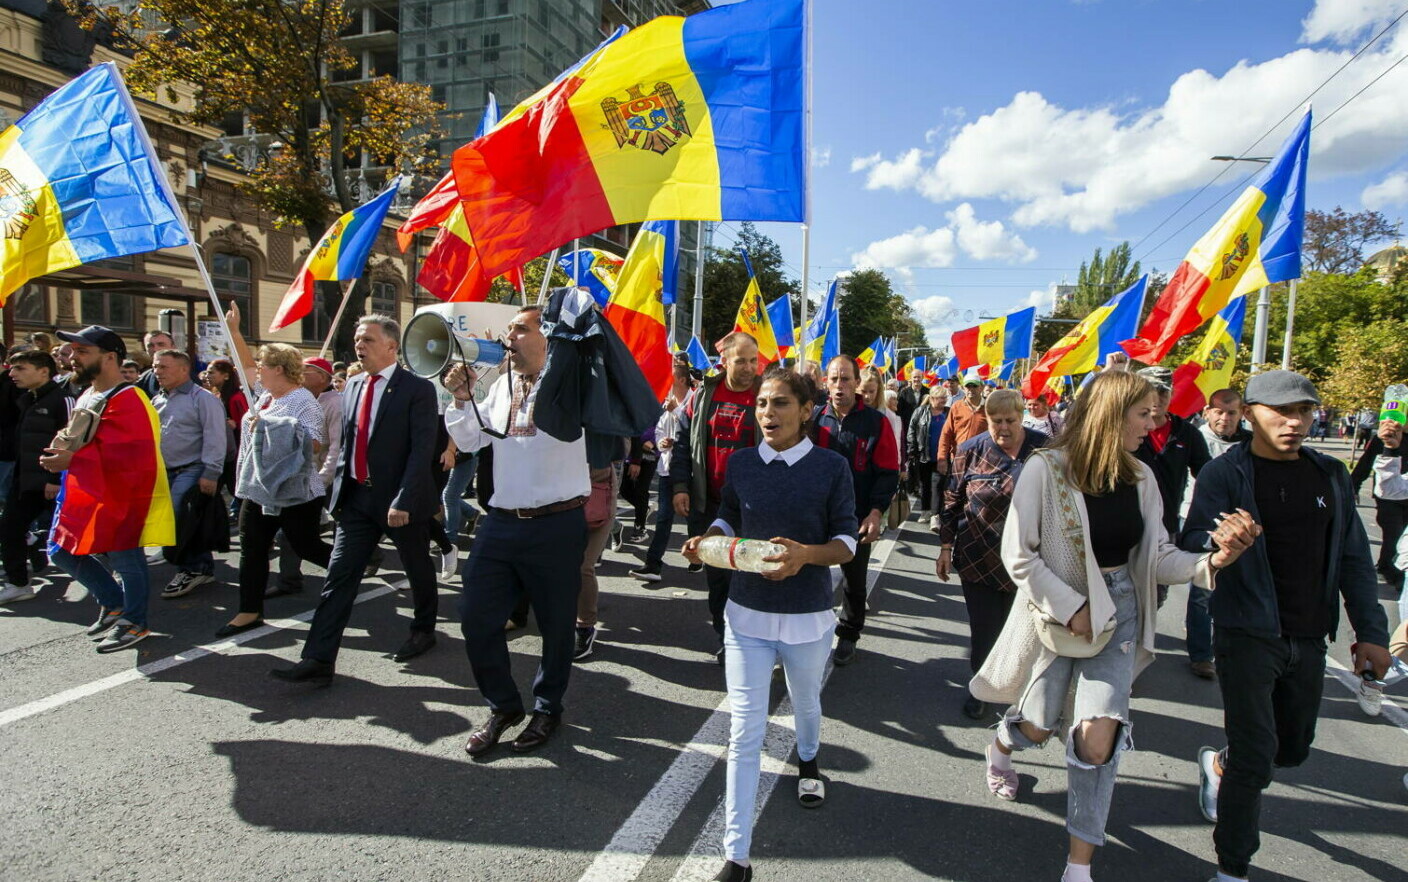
(801, 497)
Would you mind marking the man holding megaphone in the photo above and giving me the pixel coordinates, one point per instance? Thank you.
(532, 539)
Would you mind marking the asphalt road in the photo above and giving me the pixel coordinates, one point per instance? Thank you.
(197, 765)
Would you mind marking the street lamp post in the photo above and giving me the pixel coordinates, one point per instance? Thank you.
(1263, 300)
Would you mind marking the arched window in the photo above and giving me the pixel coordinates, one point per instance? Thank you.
(234, 280)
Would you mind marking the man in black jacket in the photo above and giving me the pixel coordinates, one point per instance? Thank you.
(43, 410)
(1274, 607)
(382, 487)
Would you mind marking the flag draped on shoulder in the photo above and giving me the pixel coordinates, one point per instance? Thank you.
(1256, 242)
(637, 312)
(115, 493)
(996, 341)
(341, 254)
(1087, 344)
(1210, 368)
(697, 118)
(593, 269)
(753, 317)
(79, 182)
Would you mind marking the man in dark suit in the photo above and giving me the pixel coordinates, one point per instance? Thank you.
(382, 486)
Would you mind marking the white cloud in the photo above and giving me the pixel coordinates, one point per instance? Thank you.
(923, 248)
(1391, 191)
(861, 163)
(1043, 300)
(1083, 167)
(1343, 20)
(821, 156)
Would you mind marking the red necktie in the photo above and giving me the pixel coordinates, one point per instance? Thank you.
(364, 431)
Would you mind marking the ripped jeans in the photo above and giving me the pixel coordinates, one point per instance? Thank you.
(1102, 684)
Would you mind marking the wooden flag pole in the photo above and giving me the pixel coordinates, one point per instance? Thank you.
(337, 319)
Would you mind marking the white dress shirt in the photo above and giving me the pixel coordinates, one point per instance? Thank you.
(530, 470)
(789, 628)
(378, 391)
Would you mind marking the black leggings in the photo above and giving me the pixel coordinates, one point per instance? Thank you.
(302, 526)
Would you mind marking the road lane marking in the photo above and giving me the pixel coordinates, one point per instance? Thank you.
(77, 693)
(640, 835)
(1392, 712)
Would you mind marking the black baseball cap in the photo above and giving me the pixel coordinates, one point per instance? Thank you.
(105, 339)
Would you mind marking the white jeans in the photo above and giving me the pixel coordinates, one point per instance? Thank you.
(748, 664)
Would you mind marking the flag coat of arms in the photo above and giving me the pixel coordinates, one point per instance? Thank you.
(754, 319)
(1087, 344)
(996, 341)
(79, 183)
(1210, 368)
(698, 118)
(593, 269)
(1256, 242)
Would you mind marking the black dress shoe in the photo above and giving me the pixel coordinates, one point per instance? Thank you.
(307, 671)
(231, 629)
(734, 873)
(418, 643)
(483, 739)
(282, 588)
(537, 732)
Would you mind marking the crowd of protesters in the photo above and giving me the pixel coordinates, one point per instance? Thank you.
(1065, 521)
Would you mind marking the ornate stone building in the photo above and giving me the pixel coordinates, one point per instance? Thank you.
(250, 260)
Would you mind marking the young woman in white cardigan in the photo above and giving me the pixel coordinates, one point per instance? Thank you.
(1085, 545)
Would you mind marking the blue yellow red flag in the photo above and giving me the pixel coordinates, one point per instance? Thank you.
(823, 333)
(593, 269)
(79, 182)
(636, 311)
(1257, 241)
(1210, 368)
(341, 254)
(698, 358)
(780, 317)
(753, 317)
(1087, 344)
(996, 341)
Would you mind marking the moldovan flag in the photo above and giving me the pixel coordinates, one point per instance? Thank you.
(996, 341)
(697, 118)
(919, 365)
(452, 271)
(1086, 345)
(823, 334)
(340, 255)
(1255, 243)
(1210, 368)
(753, 316)
(115, 493)
(636, 312)
(434, 208)
(79, 182)
(780, 317)
(698, 358)
(877, 354)
(593, 269)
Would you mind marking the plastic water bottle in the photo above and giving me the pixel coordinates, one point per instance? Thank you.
(1395, 406)
(740, 554)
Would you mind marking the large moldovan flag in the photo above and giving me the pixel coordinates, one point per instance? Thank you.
(79, 182)
(1210, 368)
(1255, 243)
(996, 341)
(697, 118)
(1086, 345)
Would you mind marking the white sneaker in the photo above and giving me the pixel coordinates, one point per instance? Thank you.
(15, 593)
(1370, 694)
(449, 564)
(1208, 782)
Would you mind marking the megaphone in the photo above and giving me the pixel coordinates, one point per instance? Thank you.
(431, 346)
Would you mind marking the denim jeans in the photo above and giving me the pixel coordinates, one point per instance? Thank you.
(457, 508)
(130, 595)
(182, 480)
(1102, 683)
(748, 664)
(664, 521)
(1197, 624)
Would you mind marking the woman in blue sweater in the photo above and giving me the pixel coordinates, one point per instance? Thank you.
(802, 498)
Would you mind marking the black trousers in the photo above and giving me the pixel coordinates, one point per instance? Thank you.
(21, 508)
(637, 492)
(1391, 516)
(302, 526)
(987, 613)
(1271, 690)
(852, 620)
(715, 578)
(922, 473)
(358, 532)
(543, 558)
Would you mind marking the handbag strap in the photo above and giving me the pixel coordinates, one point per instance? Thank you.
(1066, 502)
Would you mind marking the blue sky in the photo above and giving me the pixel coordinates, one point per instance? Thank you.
(979, 151)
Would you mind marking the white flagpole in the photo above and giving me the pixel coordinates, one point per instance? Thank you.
(547, 275)
(696, 319)
(337, 319)
(806, 184)
(160, 175)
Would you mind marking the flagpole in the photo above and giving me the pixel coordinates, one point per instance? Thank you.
(337, 319)
(696, 319)
(1263, 309)
(160, 175)
(806, 185)
(1290, 325)
(547, 276)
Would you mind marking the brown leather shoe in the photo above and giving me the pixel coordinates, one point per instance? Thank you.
(537, 732)
(486, 736)
(1204, 669)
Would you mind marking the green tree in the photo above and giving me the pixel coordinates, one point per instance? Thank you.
(283, 64)
(870, 307)
(1099, 279)
(1367, 359)
(726, 279)
(1335, 240)
(502, 292)
(1328, 306)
